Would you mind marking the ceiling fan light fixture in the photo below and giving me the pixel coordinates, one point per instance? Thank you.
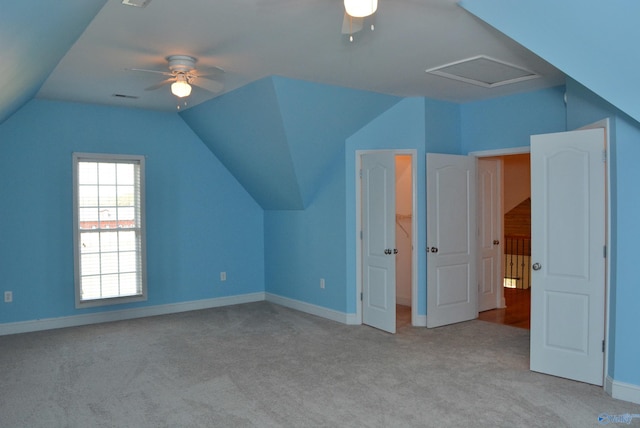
(360, 8)
(180, 89)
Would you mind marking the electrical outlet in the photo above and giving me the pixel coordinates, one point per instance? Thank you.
(321, 282)
(223, 276)
(8, 296)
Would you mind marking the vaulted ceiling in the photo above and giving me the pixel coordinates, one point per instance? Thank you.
(81, 50)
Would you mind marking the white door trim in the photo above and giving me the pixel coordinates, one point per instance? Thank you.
(414, 230)
(605, 123)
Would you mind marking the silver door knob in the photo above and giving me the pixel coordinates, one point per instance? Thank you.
(536, 266)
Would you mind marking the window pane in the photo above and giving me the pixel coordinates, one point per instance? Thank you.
(126, 174)
(88, 172)
(108, 263)
(107, 218)
(88, 196)
(107, 196)
(110, 286)
(107, 173)
(128, 261)
(127, 241)
(126, 217)
(88, 218)
(129, 284)
(126, 196)
(91, 287)
(89, 242)
(108, 241)
(90, 264)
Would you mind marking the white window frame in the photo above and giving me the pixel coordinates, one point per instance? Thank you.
(139, 228)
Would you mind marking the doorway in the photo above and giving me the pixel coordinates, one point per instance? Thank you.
(514, 280)
(404, 244)
(568, 321)
(386, 276)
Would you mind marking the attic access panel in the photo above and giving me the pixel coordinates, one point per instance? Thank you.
(483, 71)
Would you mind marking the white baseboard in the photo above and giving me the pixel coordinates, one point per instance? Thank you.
(622, 391)
(125, 314)
(352, 319)
(309, 308)
(420, 321)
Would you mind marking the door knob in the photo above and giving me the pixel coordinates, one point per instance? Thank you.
(496, 242)
(434, 249)
(395, 251)
(536, 266)
(387, 251)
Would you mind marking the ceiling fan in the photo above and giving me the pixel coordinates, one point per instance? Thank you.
(181, 75)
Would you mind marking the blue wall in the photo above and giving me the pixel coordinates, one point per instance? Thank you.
(305, 245)
(200, 221)
(585, 107)
(625, 314)
(510, 121)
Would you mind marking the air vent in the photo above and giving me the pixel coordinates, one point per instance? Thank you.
(136, 3)
(483, 71)
(131, 97)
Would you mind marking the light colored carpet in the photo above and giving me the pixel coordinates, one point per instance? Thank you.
(262, 365)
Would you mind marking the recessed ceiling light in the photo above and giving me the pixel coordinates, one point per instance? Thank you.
(136, 3)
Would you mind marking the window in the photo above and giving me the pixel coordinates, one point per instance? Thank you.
(109, 229)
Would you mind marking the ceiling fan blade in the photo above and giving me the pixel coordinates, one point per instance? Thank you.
(209, 85)
(164, 73)
(160, 84)
(208, 71)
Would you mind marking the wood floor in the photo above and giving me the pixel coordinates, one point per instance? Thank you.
(518, 310)
(403, 316)
(516, 314)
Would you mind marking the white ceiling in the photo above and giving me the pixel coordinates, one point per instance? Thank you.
(302, 39)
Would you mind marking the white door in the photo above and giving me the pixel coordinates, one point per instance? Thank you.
(452, 289)
(490, 235)
(567, 252)
(378, 241)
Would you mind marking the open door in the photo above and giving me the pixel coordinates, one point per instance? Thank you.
(379, 241)
(568, 254)
(489, 234)
(452, 290)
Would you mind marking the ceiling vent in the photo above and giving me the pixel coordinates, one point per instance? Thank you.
(136, 3)
(130, 97)
(483, 71)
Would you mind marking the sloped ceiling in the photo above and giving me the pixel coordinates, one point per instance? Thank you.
(34, 38)
(278, 135)
(251, 39)
(593, 42)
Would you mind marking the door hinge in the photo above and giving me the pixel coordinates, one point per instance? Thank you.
(603, 346)
(604, 156)
(361, 297)
(360, 173)
(361, 235)
(604, 251)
